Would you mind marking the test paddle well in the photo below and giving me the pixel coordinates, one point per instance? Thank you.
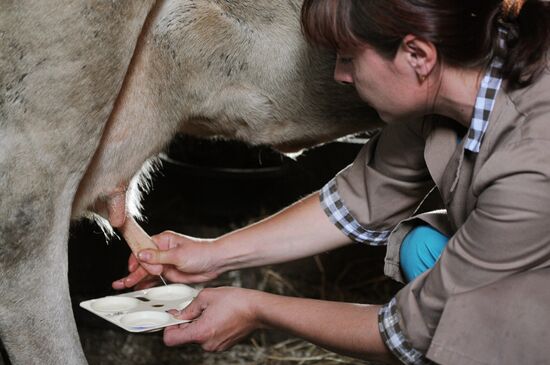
(139, 240)
(144, 310)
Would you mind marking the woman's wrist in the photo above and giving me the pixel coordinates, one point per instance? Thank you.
(260, 305)
(229, 255)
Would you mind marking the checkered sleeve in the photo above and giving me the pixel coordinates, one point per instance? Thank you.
(340, 216)
(392, 334)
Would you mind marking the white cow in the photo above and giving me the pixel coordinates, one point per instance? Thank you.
(90, 89)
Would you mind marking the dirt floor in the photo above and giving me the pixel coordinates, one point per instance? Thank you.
(206, 194)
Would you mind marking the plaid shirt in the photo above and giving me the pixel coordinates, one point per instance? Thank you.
(388, 317)
(342, 218)
(485, 100)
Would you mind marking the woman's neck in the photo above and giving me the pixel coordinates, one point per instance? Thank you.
(456, 94)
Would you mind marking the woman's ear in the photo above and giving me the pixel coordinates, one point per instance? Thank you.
(420, 55)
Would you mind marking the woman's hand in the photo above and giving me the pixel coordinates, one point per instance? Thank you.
(220, 318)
(301, 230)
(184, 259)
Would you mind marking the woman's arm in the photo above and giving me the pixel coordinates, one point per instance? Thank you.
(223, 316)
(301, 230)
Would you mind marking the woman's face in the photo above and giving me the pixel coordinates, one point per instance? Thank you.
(389, 85)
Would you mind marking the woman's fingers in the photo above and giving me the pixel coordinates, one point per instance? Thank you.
(159, 257)
(133, 263)
(176, 276)
(168, 239)
(132, 279)
(181, 334)
(194, 309)
(150, 282)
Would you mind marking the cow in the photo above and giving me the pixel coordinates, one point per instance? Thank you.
(91, 89)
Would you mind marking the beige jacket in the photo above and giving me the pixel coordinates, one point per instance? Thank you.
(487, 300)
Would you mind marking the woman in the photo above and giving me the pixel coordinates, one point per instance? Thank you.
(465, 89)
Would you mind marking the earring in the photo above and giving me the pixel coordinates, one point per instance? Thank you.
(422, 78)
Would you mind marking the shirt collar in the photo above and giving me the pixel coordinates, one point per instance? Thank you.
(485, 101)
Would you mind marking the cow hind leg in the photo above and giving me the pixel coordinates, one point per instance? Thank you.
(36, 318)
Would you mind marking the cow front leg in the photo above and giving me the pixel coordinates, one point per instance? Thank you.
(36, 319)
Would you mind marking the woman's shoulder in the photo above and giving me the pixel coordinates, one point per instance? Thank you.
(537, 93)
(519, 116)
(527, 110)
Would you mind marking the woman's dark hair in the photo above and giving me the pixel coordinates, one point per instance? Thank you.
(465, 32)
